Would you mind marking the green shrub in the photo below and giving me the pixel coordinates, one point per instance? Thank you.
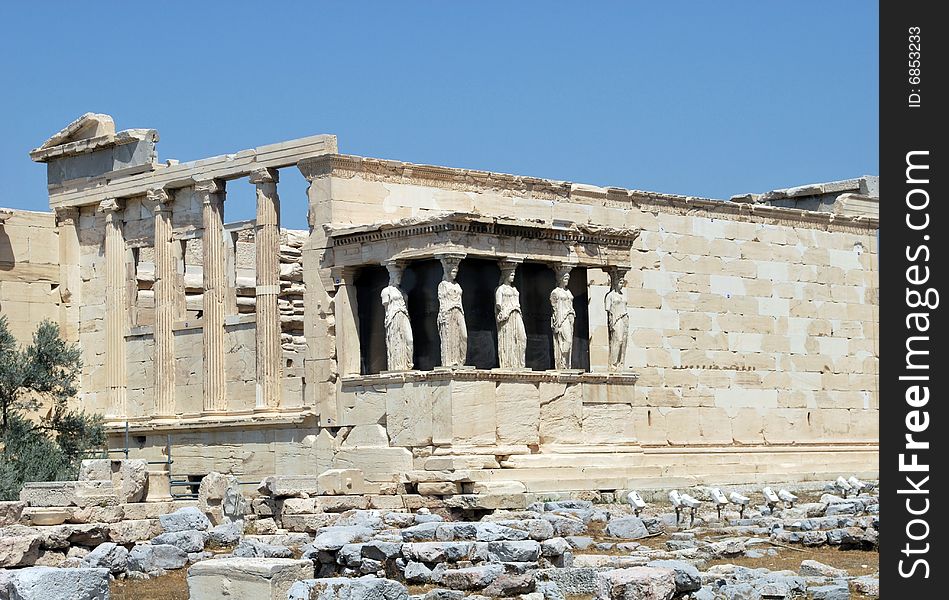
(49, 446)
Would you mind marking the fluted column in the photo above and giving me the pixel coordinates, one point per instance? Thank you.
(214, 268)
(116, 305)
(166, 304)
(267, 238)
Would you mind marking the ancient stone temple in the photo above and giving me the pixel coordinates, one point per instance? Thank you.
(451, 331)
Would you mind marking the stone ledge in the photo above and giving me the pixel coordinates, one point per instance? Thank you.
(470, 180)
(499, 375)
(212, 421)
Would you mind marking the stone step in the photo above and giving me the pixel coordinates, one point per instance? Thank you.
(572, 460)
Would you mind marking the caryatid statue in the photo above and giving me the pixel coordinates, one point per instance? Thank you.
(399, 344)
(617, 313)
(512, 338)
(561, 321)
(452, 330)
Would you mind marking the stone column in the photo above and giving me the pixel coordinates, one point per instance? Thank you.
(267, 238)
(347, 322)
(116, 309)
(70, 279)
(214, 273)
(166, 304)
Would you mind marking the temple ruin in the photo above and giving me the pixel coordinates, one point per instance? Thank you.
(452, 332)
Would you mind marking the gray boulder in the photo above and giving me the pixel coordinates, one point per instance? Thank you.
(834, 591)
(687, 578)
(644, 583)
(510, 551)
(421, 532)
(254, 549)
(189, 541)
(554, 547)
(470, 578)
(107, 555)
(184, 519)
(334, 538)
(491, 532)
(510, 585)
(627, 528)
(572, 581)
(344, 588)
(813, 568)
(226, 534)
(867, 585)
(416, 572)
(51, 583)
(379, 550)
(549, 589)
(437, 552)
(150, 558)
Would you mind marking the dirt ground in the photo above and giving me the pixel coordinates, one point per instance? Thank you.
(173, 586)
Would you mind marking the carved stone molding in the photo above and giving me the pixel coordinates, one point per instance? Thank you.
(65, 216)
(159, 199)
(109, 205)
(264, 176)
(498, 375)
(205, 187)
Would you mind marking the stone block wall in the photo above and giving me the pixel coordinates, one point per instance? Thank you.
(29, 271)
(750, 326)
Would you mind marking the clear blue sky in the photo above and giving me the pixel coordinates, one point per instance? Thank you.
(699, 98)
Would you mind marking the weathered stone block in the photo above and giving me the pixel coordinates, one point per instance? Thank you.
(263, 578)
(636, 583)
(344, 588)
(335, 482)
(50, 583)
(49, 493)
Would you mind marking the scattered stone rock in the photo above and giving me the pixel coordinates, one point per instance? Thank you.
(510, 585)
(135, 530)
(470, 578)
(249, 548)
(416, 572)
(343, 588)
(108, 555)
(184, 519)
(813, 568)
(50, 583)
(636, 583)
(511, 551)
(379, 550)
(19, 547)
(10, 512)
(627, 528)
(834, 591)
(189, 541)
(867, 585)
(687, 578)
(572, 581)
(226, 534)
(149, 558)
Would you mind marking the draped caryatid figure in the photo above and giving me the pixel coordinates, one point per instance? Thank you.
(452, 330)
(562, 318)
(617, 313)
(399, 343)
(512, 338)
